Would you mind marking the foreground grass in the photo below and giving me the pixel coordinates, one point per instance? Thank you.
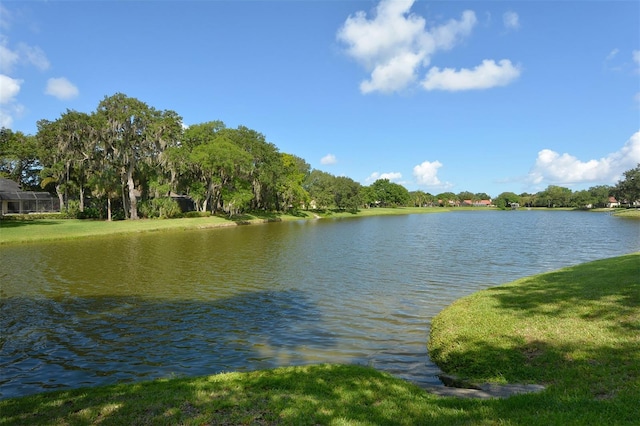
(16, 231)
(320, 394)
(576, 330)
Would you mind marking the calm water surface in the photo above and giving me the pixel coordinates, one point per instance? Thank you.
(362, 290)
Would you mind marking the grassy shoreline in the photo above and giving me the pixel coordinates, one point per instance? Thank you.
(576, 330)
(27, 231)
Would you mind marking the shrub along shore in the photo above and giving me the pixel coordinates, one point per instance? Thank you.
(575, 330)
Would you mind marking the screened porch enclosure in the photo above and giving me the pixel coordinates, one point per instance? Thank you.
(16, 201)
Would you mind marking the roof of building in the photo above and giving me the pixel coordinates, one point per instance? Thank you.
(10, 190)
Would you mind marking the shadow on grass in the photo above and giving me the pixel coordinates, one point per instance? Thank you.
(322, 394)
(611, 288)
(575, 330)
(596, 370)
(8, 224)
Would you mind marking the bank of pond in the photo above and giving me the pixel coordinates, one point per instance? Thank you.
(574, 330)
(55, 227)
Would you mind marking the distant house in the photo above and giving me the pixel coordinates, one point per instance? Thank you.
(476, 203)
(612, 203)
(14, 200)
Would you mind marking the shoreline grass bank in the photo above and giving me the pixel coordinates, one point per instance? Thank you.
(576, 330)
(27, 231)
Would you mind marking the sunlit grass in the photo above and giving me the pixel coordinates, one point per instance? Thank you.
(631, 213)
(319, 394)
(576, 330)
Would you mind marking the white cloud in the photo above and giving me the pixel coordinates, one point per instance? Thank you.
(9, 89)
(484, 76)
(612, 54)
(554, 168)
(392, 176)
(8, 112)
(33, 55)
(427, 174)
(511, 20)
(395, 43)
(6, 120)
(610, 62)
(24, 54)
(5, 18)
(392, 76)
(8, 58)
(61, 88)
(636, 56)
(448, 35)
(328, 159)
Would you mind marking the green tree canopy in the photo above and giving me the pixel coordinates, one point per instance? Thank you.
(346, 193)
(466, 195)
(444, 198)
(388, 193)
(420, 198)
(320, 186)
(554, 196)
(628, 188)
(19, 158)
(505, 200)
(291, 192)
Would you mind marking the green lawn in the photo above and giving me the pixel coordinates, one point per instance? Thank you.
(576, 330)
(631, 213)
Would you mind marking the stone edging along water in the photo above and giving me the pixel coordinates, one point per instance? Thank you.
(456, 387)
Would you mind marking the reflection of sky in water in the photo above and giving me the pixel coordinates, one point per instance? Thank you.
(199, 302)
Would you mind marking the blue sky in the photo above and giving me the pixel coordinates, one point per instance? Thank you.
(436, 95)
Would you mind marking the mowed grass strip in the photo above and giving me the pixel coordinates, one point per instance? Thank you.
(577, 330)
(628, 213)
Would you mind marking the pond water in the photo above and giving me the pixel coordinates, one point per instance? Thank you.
(361, 290)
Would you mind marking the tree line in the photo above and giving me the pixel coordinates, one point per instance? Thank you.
(127, 159)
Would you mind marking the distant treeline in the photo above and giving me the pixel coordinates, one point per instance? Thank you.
(127, 159)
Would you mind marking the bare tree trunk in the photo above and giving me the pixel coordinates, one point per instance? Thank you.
(108, 209)
(133, 202)
(125, 205)
(60, 197)
(81, 199)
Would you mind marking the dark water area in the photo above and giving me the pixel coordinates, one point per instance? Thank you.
(186, 303)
